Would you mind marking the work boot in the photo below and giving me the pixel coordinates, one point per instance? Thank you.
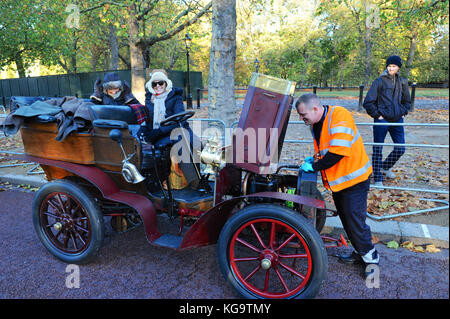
(351, 259)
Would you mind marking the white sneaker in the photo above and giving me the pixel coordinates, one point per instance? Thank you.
(388, 172)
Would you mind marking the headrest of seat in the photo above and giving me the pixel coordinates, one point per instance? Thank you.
(113, 112)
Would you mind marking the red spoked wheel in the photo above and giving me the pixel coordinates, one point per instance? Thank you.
(269, 251)
(68, 221)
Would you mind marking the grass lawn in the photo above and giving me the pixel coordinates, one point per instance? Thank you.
(352, 93)
(420, 92)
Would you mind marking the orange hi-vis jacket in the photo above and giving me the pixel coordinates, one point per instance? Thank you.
(339, 135)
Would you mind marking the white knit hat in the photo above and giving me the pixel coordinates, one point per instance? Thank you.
(158, 76)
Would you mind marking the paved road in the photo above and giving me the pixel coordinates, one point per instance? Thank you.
(129, 267)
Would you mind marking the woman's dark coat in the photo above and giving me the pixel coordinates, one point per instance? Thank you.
(174, 105)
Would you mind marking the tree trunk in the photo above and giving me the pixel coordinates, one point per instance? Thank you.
(412, 51)
(340, 74)
(73, 57)
(94, 61)
(221, 97)
(368, 67)
(114, 48)
(136, 60)
(20, 66)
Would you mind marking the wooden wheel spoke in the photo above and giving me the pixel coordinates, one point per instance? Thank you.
(52, 215)
(266, 281)
(282, 280)
(74, 241)
(61, 204)
(55, 206)
(78, 227)
(250, 275)
(286, 242)
(272, 235)
(258, 236)
(293, 256)
(66, 240)
(293, 271)
(80, 237)
(243, 242)
(245, 259)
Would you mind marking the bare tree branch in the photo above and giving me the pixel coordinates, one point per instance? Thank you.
(169, 34)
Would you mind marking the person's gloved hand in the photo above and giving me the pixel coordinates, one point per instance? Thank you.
(307, 167)
(309, 159)
(142, 133)
(154, 135)
(148, 136)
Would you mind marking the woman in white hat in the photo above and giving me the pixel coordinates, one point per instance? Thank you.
(162, 100)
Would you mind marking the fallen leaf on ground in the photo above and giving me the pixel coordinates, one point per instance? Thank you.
(418, 249)
(407, 245)
(432, 249)
(392, 244)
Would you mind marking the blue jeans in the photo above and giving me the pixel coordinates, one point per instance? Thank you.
(379, 134)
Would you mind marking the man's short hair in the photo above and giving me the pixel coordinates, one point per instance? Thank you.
(309, 99)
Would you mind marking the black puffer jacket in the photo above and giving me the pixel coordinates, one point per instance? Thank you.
(389, 97)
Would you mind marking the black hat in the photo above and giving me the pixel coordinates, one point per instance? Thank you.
(111, 80)
(394, 59)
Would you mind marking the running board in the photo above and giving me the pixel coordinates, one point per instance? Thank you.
(168, 240)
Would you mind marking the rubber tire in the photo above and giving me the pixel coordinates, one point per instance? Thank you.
(294, 220)
(94, 214)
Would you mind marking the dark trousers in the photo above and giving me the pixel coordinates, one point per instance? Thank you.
(351, 205)
(379, 134)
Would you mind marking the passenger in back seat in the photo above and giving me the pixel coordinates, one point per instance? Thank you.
(113, 91)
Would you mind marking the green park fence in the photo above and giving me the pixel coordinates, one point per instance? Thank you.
(81, 84)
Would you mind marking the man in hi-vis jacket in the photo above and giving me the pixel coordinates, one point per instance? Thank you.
(345, 168)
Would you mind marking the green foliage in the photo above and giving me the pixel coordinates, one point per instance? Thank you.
(310, 42)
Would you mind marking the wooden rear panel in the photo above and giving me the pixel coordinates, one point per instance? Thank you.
(39, 140)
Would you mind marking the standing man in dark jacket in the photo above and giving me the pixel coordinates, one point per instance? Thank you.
(388, 100)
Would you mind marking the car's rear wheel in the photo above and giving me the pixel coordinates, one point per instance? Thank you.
(68, 221)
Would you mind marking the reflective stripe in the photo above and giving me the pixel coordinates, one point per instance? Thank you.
(363, 170)
(345, 143)
(337, 142)
(356, 137)
(329, 119)
(342, 129)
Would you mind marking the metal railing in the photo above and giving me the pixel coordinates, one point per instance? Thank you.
(300, 144)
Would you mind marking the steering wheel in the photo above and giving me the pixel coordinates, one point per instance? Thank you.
(179, 117)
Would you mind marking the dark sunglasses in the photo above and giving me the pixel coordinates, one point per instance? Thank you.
(160, 83)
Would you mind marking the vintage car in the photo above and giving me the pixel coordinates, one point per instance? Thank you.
(264, 218)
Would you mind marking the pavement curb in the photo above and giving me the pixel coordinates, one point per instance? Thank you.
(35, 181)
(388, 230)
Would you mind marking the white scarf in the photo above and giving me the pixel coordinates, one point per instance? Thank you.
(159, 109)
